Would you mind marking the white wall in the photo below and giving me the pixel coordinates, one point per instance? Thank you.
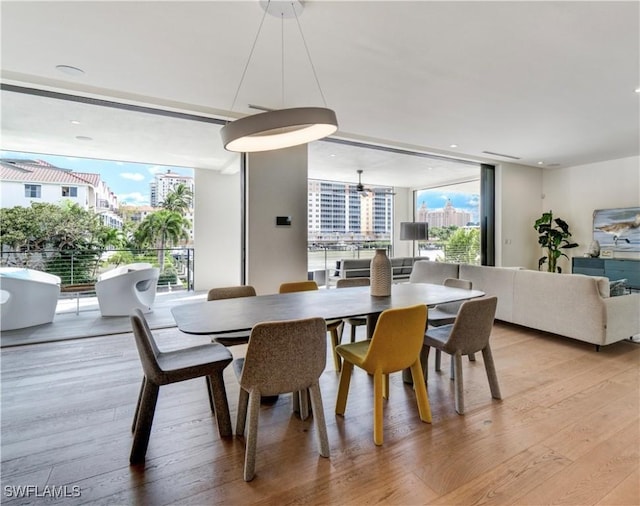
(276, 186)
(518, 205)
(12, 194)
(217, 229)
(573, 193)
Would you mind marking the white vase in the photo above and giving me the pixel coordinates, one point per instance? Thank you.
(594, 249)
(380, 274)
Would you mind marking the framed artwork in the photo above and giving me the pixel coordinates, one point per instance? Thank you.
(617, 229)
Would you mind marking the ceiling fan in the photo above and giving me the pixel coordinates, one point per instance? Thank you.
(364, 191)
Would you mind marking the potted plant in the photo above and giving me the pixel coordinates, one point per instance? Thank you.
(554, 236)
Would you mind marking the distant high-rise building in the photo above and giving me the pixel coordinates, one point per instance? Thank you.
(164, 184)
(337, 210)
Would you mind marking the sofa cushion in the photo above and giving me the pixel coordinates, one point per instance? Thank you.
(426, 271)
(355, 267)
(496, 281)
(407, 265)
(566, 304)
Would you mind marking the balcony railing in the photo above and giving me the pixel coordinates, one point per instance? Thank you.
(76, 267)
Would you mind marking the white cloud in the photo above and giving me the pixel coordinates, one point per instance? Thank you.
(156, 169)
(135, 198)
(133, 176)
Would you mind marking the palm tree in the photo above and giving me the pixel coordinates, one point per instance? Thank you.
(162, 229)
(179, 199)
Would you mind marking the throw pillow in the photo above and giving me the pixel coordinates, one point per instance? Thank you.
(618, 287)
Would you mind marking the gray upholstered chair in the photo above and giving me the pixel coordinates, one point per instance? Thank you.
(468, 334)
(231, 292)
(334, 327)
(445, 314)
(355, 321)
(284, 356)
(161, 368)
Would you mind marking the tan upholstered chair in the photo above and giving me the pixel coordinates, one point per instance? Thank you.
(395, 345)
(355, 321)
(468, 334)
(334, 327)
(231, 292)
(161, 368)
(284, 356)
(445, 314)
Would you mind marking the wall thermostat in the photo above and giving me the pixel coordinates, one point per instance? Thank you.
(283, 221)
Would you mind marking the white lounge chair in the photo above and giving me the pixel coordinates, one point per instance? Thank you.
(28, 297)
(125, 288)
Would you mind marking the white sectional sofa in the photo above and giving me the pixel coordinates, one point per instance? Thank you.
(571, 305)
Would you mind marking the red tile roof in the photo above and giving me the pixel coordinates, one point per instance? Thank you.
(42, 172)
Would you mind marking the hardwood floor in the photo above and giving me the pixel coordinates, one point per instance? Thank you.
(566, 432)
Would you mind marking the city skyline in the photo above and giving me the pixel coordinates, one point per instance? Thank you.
(130, 181)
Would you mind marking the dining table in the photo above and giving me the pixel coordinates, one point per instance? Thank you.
(243, 313)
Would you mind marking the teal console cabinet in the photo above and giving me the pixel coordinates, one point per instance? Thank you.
(612, 268)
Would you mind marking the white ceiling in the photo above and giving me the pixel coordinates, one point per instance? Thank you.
(544, 81)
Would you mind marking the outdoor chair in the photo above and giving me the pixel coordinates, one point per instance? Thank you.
(27, 297)
(395, 345)
(468, 334)
(128, 287)
(284, 356)
(161, 368)
(231, 292)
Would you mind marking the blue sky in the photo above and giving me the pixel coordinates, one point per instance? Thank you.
(437, 199)
(129, 181)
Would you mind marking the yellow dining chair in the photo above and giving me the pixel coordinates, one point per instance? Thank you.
(396, 344)
(333, 326)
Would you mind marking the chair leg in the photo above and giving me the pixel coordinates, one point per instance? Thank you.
(210, 393)
(424, 408)
(252, 437)
(144, 422)
(343, 388)
(438, 360)
(318, 416)
(335, 341)
(472, 357)
(385, 387)
(221, 404)
(241, 417)
(424, 362)
(452, 370)
(378, 392)
(135, 415)
(490, 367)
(456, 360)
(353, 333)
(303, 396)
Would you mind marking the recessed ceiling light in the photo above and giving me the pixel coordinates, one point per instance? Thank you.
(69, 70)
(540, 163)
(84, 138)
(74, 122)
(637, 90)
(453, 145)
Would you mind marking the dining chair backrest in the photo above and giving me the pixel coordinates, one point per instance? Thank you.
(465, 284)
(349, 282)
(298, 286)
(472, 328)
(285, 356)
(397, 339)
(147, 347)
(231, 292)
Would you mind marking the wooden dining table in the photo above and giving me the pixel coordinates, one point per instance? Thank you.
(243, 313)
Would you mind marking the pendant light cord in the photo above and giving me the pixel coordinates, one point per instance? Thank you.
(304, 41)
(244, 72)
